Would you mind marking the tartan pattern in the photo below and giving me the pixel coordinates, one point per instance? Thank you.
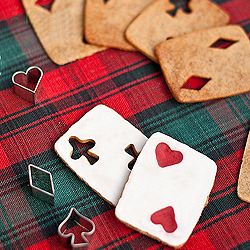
(134, 87)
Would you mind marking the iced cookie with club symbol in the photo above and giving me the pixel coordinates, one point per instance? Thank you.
(108, 145)
(167, 190)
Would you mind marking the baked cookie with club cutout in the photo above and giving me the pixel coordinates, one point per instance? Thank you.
(207, 64)
(113, 140)
(167, 190)
(162, 20)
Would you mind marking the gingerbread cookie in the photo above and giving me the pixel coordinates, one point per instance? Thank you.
(156, 24)
(207, 64)
(61, 30)
(112, 136)
(106, 21)
(244, 176)
(167, 190)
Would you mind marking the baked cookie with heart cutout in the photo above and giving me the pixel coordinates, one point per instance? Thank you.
(206, 64)
(166, 190)
(61, 29)
(157, 23)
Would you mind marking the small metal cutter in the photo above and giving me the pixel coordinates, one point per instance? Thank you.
(74, 230)
(26, 83)
(41, 184)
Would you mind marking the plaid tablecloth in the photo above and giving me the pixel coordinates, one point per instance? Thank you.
(133, 86)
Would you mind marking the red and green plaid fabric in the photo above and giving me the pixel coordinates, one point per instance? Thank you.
(133, 86)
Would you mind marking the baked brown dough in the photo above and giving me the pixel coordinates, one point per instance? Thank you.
(106, 23)
(227, 69)
(61, 30)
(155, 25)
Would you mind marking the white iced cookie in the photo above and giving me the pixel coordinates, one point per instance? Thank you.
(112, 135)
(167, 190)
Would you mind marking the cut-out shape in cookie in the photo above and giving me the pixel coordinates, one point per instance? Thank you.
(195, 82)
(83, 148)
(165, 156)
(243, 188)
(151, 191)
(112, 135)
(47, 4)
(228, 70)
(107, 21)
(132, 151)
(26, 83)
(61, 30)
(154, 25)
(166, 218)
(179, 5)
(222, 44)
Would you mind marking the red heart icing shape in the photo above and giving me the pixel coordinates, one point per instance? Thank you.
(166, 218)
(165, 156)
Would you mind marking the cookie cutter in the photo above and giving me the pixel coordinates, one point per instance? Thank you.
(41, 184)
(26, 83)
(74, 230)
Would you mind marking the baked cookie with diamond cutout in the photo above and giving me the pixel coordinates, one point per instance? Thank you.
(207, 64)
(162, 20)
(167, 190)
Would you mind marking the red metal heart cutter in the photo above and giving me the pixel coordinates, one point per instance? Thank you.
(26, 83)
(74, 230)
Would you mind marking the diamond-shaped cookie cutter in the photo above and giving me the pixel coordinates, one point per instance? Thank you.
(32, 76)
(41, 184)
(74, 230)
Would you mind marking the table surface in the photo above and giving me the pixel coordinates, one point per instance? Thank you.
(133, 86)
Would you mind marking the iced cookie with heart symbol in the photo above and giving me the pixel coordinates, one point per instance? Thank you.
(167, 190)
(106, 166)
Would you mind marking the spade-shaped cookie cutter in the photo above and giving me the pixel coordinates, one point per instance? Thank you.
(79, 224)
(33, 74)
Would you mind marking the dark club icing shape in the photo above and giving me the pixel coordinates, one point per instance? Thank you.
(166, 218)
(165, 156)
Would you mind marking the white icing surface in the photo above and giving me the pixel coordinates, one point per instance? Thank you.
(112, 135)
(184, 186)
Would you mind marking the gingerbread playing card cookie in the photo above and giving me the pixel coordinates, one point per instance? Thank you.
(244, 176)
(106, 21)
(207, 64)
(61, 30)
(167, 190)
(112, 136)
(162, 21)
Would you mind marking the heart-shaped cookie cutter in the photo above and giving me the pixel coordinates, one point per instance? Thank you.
(26, 83)
(78, 224)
